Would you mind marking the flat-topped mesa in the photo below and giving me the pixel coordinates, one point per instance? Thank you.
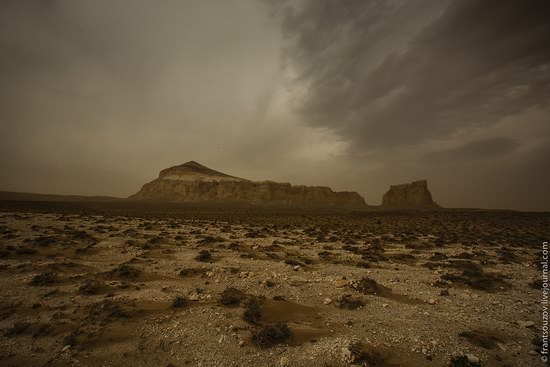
(192, 182)
(410, 195)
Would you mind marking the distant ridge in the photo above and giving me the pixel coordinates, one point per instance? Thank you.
(192, 182)
(25, 196)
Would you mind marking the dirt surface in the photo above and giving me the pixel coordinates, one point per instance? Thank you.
(85, 285)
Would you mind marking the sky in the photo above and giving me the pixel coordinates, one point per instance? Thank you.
(96, 97)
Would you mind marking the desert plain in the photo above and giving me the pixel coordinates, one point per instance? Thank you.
(130, 284)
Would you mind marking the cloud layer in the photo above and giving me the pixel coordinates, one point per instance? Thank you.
(97, 97)
(471, 66)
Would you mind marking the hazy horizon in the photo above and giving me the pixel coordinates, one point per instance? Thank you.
(98, 97)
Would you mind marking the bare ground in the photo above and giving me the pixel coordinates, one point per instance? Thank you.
(82, 286)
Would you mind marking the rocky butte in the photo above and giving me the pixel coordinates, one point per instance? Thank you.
(192, 182)
(414, 195)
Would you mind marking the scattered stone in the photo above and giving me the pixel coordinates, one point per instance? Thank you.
(525, 323)
(431, 301)
(502, 346)
(327, 301)
(341, 283)
(284, 362)
(472, 358)
(346, 355)
(194, 297)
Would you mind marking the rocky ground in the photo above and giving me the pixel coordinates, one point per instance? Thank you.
(83, 286)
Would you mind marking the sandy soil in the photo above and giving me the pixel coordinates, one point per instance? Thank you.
(208, 287)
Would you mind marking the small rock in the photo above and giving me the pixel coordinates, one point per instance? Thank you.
(341, 283)
(194, 297)
(472, 358)
(431, 301)
(525, 323)
(346, 355)
(297, 267)
(65, 348)
(284, 362)
(327, 301)
(385, 305)
(502, 346)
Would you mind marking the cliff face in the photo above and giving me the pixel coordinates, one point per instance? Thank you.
(193, 183)
(410, 195)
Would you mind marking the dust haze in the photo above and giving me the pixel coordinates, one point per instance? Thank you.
(291, 183)
(97, 97)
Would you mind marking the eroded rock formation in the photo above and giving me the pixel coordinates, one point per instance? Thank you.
(192, 182)
(409, 195)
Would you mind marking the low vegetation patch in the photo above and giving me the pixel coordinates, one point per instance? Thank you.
(462, 361)
(125, 271)
(89, 288)
(17, 329)
(362, 357)
(350, 303)
(270, 335)
(370, 286)
(179, 302)
(47, 278)
(232, 297)
(252, 313)
(477, 279)
(204, 256)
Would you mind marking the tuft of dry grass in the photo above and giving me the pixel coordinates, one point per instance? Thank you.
(270, 335)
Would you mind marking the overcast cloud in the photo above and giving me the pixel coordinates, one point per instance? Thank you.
(98, 96)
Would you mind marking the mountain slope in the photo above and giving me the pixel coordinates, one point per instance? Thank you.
(193, 182)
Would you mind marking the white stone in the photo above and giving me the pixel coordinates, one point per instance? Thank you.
(284, 362)
(525, 323)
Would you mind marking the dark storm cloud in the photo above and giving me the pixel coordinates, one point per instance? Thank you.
(96, 97)
(476, 63)
(475, 150)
